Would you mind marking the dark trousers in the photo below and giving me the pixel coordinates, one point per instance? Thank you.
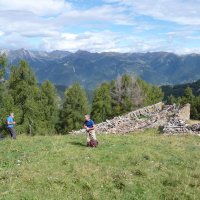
(1, 137)
(12, 133)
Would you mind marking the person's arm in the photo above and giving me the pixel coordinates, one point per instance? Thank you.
(85, 127)
(9, 123)
(90, 129)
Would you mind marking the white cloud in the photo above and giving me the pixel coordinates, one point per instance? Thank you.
(39, 7)
(25, 19)
(1, 33)
(91, 41)
(26, 24)
(16, 41)
(103, 14)
(57, 24)
(108, 41)
(185, 12)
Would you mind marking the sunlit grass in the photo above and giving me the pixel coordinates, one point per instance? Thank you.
(143, 165)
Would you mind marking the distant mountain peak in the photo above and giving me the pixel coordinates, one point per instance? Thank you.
(82, 52)
(90, 69)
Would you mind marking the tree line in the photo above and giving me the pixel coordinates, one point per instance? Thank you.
(187, 97)
(39, 110)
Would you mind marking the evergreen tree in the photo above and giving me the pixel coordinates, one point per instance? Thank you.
(195, 108)
(101, 105)
(151, 94)
(6, 106)
(188, 94)
(35, 108)
(2, 65)
(188, 97)
(49, 106)
(2, 73)
(171, 100)
(6, 101)
(75, 106)
(22, 86)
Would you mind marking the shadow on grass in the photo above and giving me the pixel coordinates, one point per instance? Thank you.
(78, 144)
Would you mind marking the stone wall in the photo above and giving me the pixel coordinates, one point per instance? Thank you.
(170, 117)
(184, 112)
(178, 123)
(177, 126)
(147, 117)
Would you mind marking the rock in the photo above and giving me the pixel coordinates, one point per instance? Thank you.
(170, 117)
(195, 128)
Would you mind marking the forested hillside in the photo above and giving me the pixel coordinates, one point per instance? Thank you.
(178, 90)
(182, 94)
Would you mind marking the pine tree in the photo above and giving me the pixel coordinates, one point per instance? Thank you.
(171, 100)
(49, 106)
(188, 94)
(195, 108)
(2, 66)
(101, 105)
(188, 97)
(75, 106)
(7, 106)
(35, 108)
(22, 86)
(2, 73)
(6, 100)
(151, 94)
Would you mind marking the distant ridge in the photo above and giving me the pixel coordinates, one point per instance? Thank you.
(90, 69)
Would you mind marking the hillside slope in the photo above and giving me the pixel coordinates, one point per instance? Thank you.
(139, 166)
(90, 69)
(178, 90)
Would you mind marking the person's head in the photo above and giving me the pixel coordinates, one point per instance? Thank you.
(12, 114)
(87, 117)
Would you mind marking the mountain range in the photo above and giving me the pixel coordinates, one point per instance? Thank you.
(90, 69)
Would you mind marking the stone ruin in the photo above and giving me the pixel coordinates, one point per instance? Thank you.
(170, 119)
(178, 123)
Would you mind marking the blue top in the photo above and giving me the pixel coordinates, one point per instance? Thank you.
(10, 120)
(89, 123)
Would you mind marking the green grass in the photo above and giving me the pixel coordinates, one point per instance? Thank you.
(138, 166)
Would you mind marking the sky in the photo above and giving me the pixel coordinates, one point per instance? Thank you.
(101, 25)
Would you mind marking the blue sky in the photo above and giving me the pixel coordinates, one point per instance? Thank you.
(101, 25)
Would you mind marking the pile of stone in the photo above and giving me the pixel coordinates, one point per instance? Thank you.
(176, 125)
(195, 128)
(148, 117)
(170, 117)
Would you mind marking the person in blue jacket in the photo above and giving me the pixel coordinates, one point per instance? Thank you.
(90, 132)
(10, 125)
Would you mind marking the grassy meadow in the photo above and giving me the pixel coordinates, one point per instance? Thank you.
(143, 166)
